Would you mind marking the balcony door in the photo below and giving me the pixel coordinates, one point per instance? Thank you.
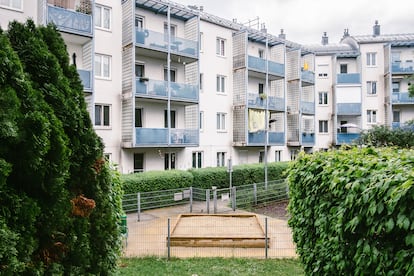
(169, 161)
(172, 118)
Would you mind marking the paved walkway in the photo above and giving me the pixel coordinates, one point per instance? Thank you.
(148, 236)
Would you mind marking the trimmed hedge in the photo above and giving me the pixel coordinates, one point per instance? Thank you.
(351, 211)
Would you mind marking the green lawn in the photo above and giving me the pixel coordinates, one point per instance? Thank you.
(209, 266)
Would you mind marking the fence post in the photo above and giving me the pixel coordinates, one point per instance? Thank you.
(191, 199)
(139, 206)
(266, 239)
(168, 239)
(255, 193)
(233, 198)
(215, 200)
(208, 201)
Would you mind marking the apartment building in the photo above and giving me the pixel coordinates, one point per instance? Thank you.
(174, 87)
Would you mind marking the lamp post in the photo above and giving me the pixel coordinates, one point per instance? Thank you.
(266, 111)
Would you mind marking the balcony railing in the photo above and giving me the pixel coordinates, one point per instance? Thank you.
(70, 21)
(86, 78)
(158, 89)
(159, 41)
(258, 138)
(259, 64)
(308, 76)
(159, 137)
(349, 108)
(396, 125)
(308, 138)
(348, 78)
(403, 67)
(308, 107)
(402, 98)
(275, 103)
(346, 138)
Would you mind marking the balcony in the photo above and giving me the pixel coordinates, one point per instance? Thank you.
(86, 79)
(159, 41)
(346, 138)
(395, 125)
(259, 64)
(155, 137)
(403, 67)
(308, 138)
(158, 90)
(354, 78)
(275, 103)
(258, 138)
(348, 108)
(308, 77)
(308, 107)
(70, 21)
(402, 98)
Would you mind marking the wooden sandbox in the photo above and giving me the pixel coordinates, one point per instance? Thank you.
(218, 230)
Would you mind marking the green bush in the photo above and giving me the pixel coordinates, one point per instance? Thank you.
(351, 211)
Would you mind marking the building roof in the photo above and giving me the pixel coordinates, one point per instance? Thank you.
(338, 49)
(386, 38)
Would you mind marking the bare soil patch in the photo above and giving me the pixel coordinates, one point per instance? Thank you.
(273, 209)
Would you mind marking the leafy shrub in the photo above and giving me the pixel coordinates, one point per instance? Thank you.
(380, 136)
(351, 211)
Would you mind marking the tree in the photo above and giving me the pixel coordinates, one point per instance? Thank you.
(380, 136)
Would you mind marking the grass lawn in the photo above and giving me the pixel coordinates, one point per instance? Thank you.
(209, 266)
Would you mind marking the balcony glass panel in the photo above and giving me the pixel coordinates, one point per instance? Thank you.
(402, 97)
(259, 64)
(349, 109)
(396, 125)
(403, 67)
(159, 136)
(308, 138)
(308, 76)
(276, 138)
(275, 103)
(308, 107)
(346, 138)
(348, 78)
(86, 79)
(70, 21)
(158, 89)
(184, 137)
(258, 138)
(159, 41)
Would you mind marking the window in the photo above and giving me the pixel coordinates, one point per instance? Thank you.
(261, 156)
(139, 70)
(197, 159)
(261, 53)
(323, 126)
(371, 87)
(395, 57)
(201, 81)
(201, 41)
(220, 46)
(102, 115)
(396, 116)
(293, 154)
(169, 161)
(138, 117)
(261, 88)
(139, 22)
(323, 98)
(172, 74)
(138, 162)
(343, 129)
(221, 83)
(278, 156)
(102, 17)
(344, 68)
(14, 4)
(371, 59)
(172, 118)
(221, 159)
(201, 120)
(371, 116)
(221, 121)
(172, 32)
(395, 87)
(323, 70)
(102, 66)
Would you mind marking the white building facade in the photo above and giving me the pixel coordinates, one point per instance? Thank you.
(173, 87)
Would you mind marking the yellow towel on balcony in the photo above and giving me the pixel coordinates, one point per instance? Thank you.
(256, 120)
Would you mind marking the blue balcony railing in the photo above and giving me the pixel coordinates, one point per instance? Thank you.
(275, 103)
(86, 78)
(308, 107)
(346, 138)
(259, 64)
(348, 108)
(308, 138)
(403, 67)
(348, 78)
(308, 76)
(70, 21)
(158, 89)
(159, 41)
(402, 98)
(258, 138)
(396, 125)
(159, 137)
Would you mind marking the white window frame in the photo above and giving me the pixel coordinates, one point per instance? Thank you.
(221, 121)
(9, 4)
(221, 159)
(201, 118)
(371, 87)
(141, 19)
(261, 53)
(201, 84)
(198, 155)
(221, 84)
(323, 126)
(372, 116)
(100, 73)
(323, 71)
(102, 113)
(323, 98)
(220, 47)
(278, 156)
(371, 59)
(101, 12)
(201, 49)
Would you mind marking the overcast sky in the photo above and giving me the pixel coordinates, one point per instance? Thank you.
(304, 21)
